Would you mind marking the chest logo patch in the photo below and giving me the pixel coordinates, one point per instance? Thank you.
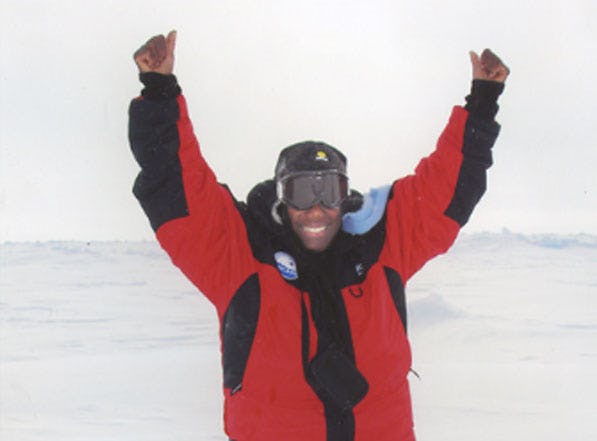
(286, 265)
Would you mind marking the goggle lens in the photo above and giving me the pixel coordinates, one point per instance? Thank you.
(305, 191)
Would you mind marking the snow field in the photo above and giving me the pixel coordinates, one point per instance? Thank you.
(107, 340)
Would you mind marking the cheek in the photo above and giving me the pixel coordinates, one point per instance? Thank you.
(337, 219)
(337, 223)
(295, 225)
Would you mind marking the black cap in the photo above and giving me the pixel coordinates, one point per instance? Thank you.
(309, 156)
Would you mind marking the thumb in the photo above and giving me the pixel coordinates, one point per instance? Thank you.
(476, 64)
(475, 60)
(171, 42)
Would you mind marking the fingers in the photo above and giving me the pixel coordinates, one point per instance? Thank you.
(157, 54)
(488, 66)
(153, 52)
(493, 66)
(157, 49)
(148, 56)
(489, 61)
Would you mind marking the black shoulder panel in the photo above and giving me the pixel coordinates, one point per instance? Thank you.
(154, 140)
(397, 291)
(479, 137)
(238, 331)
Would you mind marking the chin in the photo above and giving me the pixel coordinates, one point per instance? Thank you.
(316, 246)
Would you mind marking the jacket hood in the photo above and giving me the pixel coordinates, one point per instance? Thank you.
(265, 208)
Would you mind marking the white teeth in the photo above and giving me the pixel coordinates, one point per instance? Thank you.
(313, 229)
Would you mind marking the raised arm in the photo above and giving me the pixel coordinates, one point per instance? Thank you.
(195, 219)
(426, 210)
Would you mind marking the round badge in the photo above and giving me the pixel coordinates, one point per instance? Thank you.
(286, 265)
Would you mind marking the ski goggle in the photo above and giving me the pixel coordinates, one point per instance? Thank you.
(303, 191)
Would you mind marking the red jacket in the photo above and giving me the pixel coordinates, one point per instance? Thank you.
(267, 290)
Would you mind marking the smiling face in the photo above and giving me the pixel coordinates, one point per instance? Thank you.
(317, 226)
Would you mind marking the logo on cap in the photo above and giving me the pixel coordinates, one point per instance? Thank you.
(321, 156)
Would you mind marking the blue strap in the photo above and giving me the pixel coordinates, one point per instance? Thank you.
(372, 210)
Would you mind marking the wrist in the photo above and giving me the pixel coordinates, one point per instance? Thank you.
(482, 101)
(159, 86)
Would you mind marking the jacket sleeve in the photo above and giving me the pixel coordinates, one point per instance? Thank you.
(426, 210)
(196, 220)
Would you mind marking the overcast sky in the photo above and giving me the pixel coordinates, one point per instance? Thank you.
(375, 78)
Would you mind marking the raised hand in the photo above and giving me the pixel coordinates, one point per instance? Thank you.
(157, 55)
(488, 67)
